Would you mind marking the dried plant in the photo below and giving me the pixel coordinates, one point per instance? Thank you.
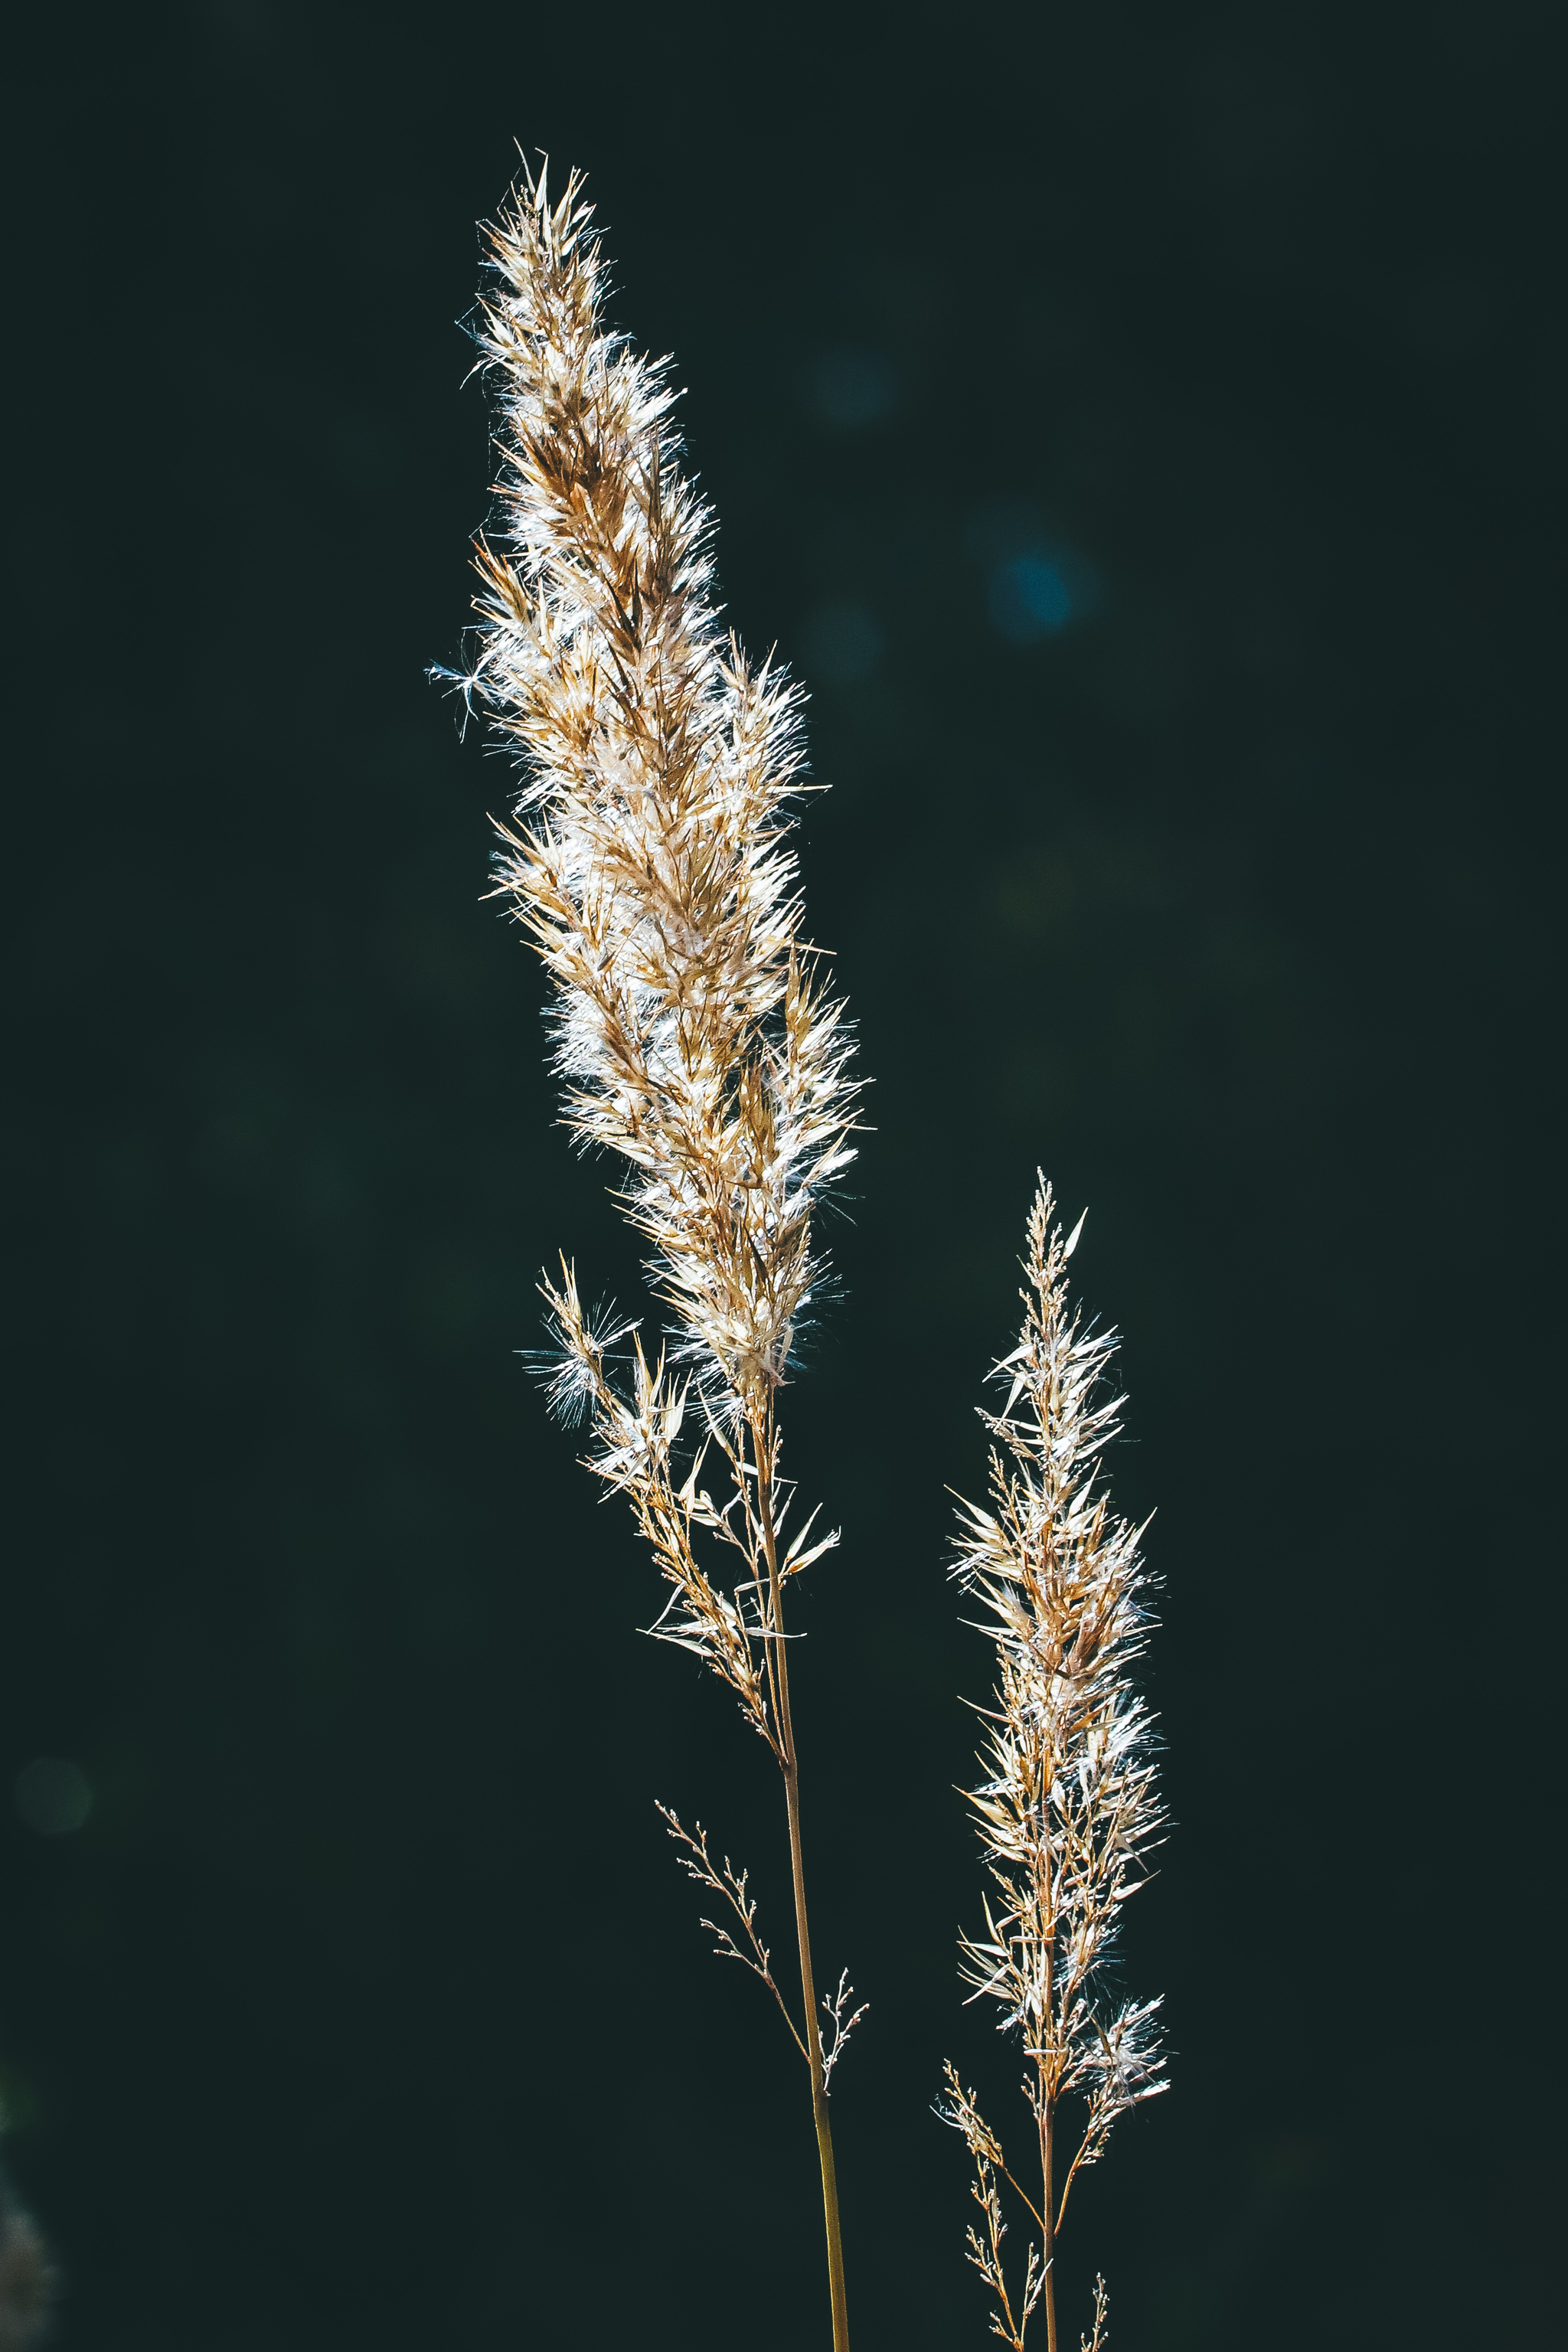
(1067, 1810)
(650, 863)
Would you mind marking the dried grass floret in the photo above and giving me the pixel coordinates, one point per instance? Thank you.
(834, 2005)
(731, 1886)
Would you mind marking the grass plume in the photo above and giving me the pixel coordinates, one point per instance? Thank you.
(648, 860)
(1068, 1809)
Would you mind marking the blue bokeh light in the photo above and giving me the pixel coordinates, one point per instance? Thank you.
(1031, 597)
(1037, 584)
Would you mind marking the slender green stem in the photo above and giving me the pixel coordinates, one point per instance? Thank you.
(762, 1445)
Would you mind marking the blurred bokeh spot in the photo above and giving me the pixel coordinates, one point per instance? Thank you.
(1036, 586)
(53, 1796)
(27, 2278)
(1030, 598)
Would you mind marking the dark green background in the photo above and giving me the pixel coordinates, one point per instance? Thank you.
(368, 2008)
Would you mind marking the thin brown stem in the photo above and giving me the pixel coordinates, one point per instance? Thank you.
(1072, 2171)
(761, 1439)
(768, 1649)
(1048, 2117)
(1023, 2196)
(1045, 2107)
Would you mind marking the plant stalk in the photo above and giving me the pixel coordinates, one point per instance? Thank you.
(1048, 2152)
(762, 1441)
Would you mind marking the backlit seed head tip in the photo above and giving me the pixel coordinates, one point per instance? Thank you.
(648, 857)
